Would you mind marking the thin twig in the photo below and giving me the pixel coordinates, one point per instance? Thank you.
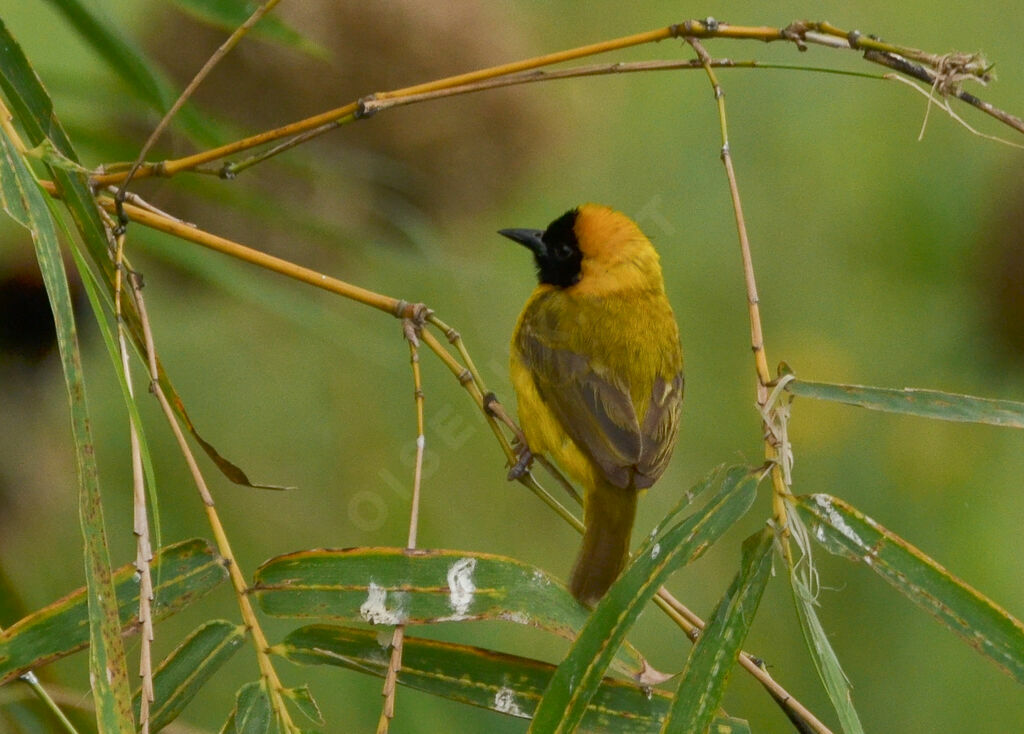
(143, 546)
(904, 59)
(219, 54)
(351, 111)
(411, 329)
(777, 449)
(238, 581)
(753, 310)
(393, 306)
(372, 104)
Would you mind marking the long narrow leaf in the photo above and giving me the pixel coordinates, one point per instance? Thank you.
(507, 684)
(229, 15)
(108, 666)
(824, 657)
(925, 403)
(187, 669)
(396, 586)
(186, 570)
(33, 109)
(982, 623)
(26, 97)
(92, 290)
(129, 63)
(711, 659)
(579, 675)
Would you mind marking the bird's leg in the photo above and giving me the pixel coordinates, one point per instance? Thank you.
(524, 457)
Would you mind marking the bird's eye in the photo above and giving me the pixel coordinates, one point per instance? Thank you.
(563, 251)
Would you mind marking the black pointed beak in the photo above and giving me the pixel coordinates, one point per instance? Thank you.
(531, 238)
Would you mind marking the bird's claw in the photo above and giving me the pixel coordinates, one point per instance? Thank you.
(522, 465)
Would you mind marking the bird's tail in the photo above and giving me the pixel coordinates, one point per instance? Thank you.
(608, 515)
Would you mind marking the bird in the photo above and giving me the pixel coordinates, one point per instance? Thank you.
(597, 367)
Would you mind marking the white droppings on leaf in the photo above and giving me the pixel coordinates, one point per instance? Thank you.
(375, 611)
(655, 550)
(460, 585)
(835, 519)
(505, 702)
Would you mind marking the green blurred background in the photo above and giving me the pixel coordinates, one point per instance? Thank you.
(881, 260)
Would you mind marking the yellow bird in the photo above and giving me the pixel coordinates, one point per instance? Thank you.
(598, 371)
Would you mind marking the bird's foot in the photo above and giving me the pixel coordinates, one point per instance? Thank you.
(522, 466)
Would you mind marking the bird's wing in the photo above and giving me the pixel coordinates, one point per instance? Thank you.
(658, 432)
(595, 409)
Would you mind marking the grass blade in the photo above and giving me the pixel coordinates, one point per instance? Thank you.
(711, 659)
(925, 403)
(579, 675)
(108, 666)
(507, 684)
(982, 623)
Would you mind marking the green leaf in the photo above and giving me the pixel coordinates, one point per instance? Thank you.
(140, 73)
(252, 714)
(107, 661)
(185, 570)
(392, 586)
(230, 14)
(26, 97)
(826, 663)
(983, 624)
(579, 675)
(507, 684)
(187, 669)
(33, 109)
(711, 659)
(925, 403)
